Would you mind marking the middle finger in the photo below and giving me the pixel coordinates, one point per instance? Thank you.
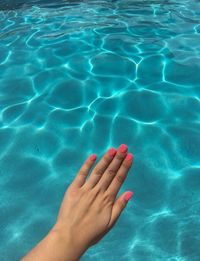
(113, 167)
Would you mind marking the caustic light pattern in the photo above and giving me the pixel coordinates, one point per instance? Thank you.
(79, 77)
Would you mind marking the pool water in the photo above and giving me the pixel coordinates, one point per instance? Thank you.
(77, 77)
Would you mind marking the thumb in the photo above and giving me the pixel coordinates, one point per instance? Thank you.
(119, 206)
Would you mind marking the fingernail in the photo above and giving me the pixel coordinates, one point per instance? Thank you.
(123, 148)
(129, 157)
(112, 152)
(93, 157)
(128, 196)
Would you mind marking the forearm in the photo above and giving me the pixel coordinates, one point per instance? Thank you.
(56, 246)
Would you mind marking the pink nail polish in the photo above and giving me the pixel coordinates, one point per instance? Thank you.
(112, 152)
(123, 148)
(129, 157)
(93, 157)
(128, 196)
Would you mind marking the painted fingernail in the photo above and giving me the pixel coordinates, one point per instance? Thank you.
(112, 152)
(129, 157)
(123, 148)
(128, 196)
(93, 157)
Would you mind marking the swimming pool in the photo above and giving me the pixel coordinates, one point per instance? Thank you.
(77, 77)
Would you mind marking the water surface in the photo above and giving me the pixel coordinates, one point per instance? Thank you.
(77, 77)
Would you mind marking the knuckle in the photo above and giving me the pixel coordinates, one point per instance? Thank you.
(123, 204)
(108, 197)
(88, 165)
(106, 159)
(120, 179)
(125, 166)
(111, 172)
(82, 173)
(119, 157)
(98, 171)
(95, 191)
(85, 188)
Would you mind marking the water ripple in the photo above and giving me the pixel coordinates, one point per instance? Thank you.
(77, 77)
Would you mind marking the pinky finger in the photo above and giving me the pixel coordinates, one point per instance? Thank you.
(119, 206)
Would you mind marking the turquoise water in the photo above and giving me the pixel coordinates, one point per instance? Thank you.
(79, 77)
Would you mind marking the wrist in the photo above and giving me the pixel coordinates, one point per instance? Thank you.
(67, 242)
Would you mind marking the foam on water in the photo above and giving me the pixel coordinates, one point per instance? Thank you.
(77, 77)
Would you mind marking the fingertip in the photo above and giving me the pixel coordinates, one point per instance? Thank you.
(129, 157)
(123, 148)
(112, 152)
(128, 195)
(93, 157)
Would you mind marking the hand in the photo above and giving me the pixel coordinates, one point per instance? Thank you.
(89, 209)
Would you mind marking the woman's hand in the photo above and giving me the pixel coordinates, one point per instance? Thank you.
(89, 209)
